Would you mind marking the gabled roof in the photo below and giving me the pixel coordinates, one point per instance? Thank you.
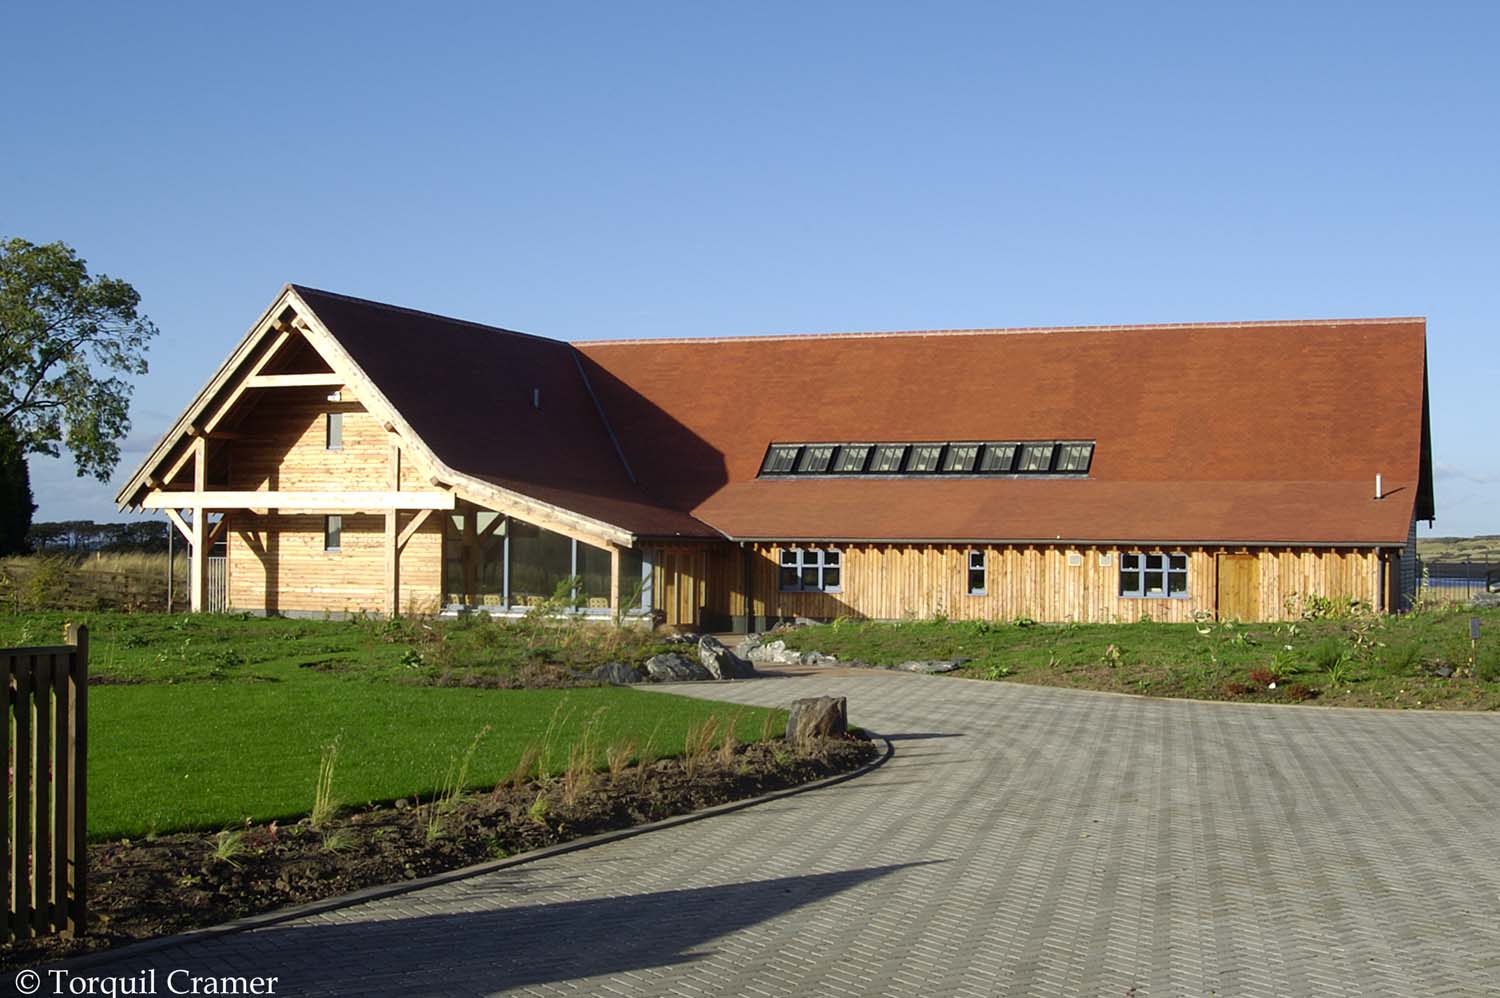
(1266, 432)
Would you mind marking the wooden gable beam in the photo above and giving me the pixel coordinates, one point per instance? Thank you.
(310, 502)
(317, 379)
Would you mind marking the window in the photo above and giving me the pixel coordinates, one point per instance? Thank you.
(960, 458)
(810, 570)
(334, 432)
(998, 458)
(779, 460)
(924, 458)
(976, 573)
(1036, 458)
(1074, 457)
(815, 459)
(887, 459)
(1154, 576)
(852, 458)
(333, 527)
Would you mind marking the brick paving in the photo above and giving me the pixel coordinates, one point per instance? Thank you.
(1023, 841)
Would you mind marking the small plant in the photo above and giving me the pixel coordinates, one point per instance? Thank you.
(579, 775)
(1112, 655)
(338, 842)
(525, 767)
(539, 809)
(730, 743)
(229, 845)
(618, 756)
(998, 670)
(324, 804)
(699, 744)
(1339, 669)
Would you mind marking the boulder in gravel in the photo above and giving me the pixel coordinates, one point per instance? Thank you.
(720, 661)
(816, 658)
(671, 667)
(616, 674)
(817, 717)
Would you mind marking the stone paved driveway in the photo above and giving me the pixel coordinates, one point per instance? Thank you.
(1023, 841)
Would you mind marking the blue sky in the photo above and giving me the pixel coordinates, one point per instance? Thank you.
(591, 170)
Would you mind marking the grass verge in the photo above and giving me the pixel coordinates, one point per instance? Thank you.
(1351, 660)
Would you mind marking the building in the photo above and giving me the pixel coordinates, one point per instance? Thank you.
(360, 456)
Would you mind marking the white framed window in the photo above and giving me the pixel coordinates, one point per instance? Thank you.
(811, 570)
(978, 581)
(1153, 576)
(333, 434)
(333, 529)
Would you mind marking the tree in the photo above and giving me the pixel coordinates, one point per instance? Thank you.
(16, 506)
(66, 340)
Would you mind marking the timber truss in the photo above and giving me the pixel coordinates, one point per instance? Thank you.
(175, 476)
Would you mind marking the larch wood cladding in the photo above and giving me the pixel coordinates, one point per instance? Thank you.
(277, 562)
(892, 582)
(295, 574)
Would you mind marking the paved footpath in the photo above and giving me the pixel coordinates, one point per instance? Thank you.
(1023, 841)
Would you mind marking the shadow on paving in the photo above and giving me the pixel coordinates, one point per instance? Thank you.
(480, 952)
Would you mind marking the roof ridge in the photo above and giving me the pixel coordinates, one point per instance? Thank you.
(300, 288)
(1005, 331)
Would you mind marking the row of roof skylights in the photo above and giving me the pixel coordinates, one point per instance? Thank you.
(1045, 457)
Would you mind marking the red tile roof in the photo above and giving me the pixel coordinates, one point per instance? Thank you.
(1267, 432)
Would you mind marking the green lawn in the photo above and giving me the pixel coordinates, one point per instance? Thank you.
(1355, 661)
(216, 719)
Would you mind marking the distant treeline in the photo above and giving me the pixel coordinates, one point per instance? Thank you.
(82, 536)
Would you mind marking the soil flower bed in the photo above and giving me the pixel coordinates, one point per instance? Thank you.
(140, 889)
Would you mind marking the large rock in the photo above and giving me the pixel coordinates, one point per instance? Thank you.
(817, 717)
(768, 651)
(929, 665)
(616, 674)
(720, 661)
(670, 667)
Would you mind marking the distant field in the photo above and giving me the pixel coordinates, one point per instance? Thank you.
(103, 581)
(1459, 548)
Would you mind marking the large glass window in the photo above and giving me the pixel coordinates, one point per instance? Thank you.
(593, 574)
(539, 561)
(779, 460)
(960, 458)
(1154, 576)
(811, 570)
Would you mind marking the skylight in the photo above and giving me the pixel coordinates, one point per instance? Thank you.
(1071, 458)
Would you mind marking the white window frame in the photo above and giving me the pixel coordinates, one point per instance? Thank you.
(1154, 561)
(984, 574)
(821, 561)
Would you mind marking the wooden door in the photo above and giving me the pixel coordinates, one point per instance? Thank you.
(1239, 587)
(681, 577)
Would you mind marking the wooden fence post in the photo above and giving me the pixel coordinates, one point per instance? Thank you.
(78, 762)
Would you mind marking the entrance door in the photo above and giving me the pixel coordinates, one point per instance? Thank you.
(1239, 587)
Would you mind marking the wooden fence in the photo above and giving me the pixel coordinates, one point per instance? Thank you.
(44, 825)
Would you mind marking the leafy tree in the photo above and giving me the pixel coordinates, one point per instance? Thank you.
(66, 340)
(16, 506)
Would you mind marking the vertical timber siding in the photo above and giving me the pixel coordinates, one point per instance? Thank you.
(891, 582)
